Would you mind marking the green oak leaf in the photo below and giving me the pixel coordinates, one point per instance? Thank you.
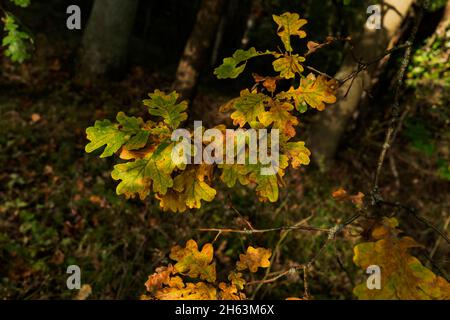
(231, 173)
(21, 3)
(128, 131)
(166, 106)
(16, 42)
(140, 175)
(233, 66)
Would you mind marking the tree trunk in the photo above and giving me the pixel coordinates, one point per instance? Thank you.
(197, 48)
(445, 21)
(328, 130)
(105, 41)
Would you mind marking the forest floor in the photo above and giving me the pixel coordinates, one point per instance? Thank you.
(58, 204)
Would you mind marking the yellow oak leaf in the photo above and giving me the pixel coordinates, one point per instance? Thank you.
(312, 91)
(230, 292)
(193, 262)
(279, 114)
(289, 65)
(297, 153)
(317, 91)
(192, 186)
(267, 185)
(249, 106)
(254, 258)
(84, 292)
(189, 291)
(237, 280)
(402, 275)
(289, 24)
(172, 201)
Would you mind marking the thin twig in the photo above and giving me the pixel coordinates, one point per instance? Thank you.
(320, 72)
(292, 270)
(362, 66)
(395, 113)
(332, 232)
(230, 204)
(245, 231)
(276, 251)
(305, 283)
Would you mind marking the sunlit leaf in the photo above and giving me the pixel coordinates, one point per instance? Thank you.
(138, 176)
(230, 292)
(16, 42)
(289, 25)
(193, 188)
(313, 91)
(195, 263)
(279, 115)
(233, 66)
(254, 258)
(249, 106)
(289, 65)
(166, 106)
(297, 153)
(126, 131)
(402, 275)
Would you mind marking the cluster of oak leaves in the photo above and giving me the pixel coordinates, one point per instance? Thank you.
(193, 276)
(147, 148)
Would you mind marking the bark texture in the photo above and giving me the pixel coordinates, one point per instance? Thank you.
(197, 47)
(328, 130)
(105, 41)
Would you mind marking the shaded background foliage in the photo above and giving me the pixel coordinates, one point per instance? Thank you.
(58, 205)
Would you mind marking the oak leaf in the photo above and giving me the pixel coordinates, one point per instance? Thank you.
(270, 83)
(231, 173)
(195, 263)
(289, 25)
(138, 176)
(115, 135)
(166, 106)
(192, 186)
(230, 292)
(279, 114)
(159, 278)
(267, 185)
(233, 66)
(312, 91)
(249, 106)
(189, 291)
(402, 275)
(171, 201)
(237, 280)
(297, 153)
(254, 258)
(289, 65)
